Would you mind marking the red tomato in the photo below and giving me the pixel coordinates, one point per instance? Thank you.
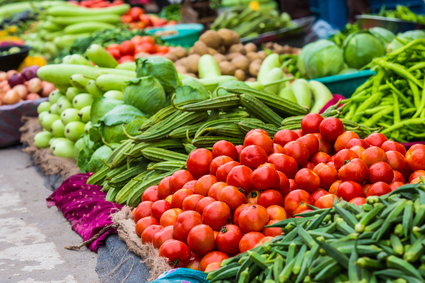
(215, 189)
(135, 13)
(311, 123)
(204, 203)
(169, 217)
(358, 201)
(190, 185)
(357, 141)
(150, 194)
(277, 148)
(184, 223)
(272, 231)
(397, 161)
(240, 176)
(264, 178)
(327, 174)
(307, 180)
(217, 162)
(317, 194)
(149, 233)
(373, 154)
(261, 140)
(193, 263)
(179, 196)
(381, 172)
(343, 139)
(177, 252)
(142, 210)
(249, 241)
(212, 266)
(292, 185)
(398, 177)
(311, 142)
(127, 47)
(264, 240)
(376, 139)
(276, 212)
(326, 201)
(395, 185)
(224, 170)
(261, 131)
(126, 58)
(330, 128)
(253, 218)
(162, 236)
(231, 196)
(349, 190)
(392, 145)
(341, 157)
(417, 174)
(216, 214)
(297, 150)
(228, 238)
(358, 150)
(159, 207)
(324, 146)
(270, 197)
(198, 162)
(169, 199)
(379, 189)
(282, 137)
(334, 187)
(355, 170)
(252, 197)
(320, 157)
(212, 257)
(179, 178)
(203, 184)
(143, 223)
(238, 211)
(164, 187)
(284, 163)
(190, 202)
(239, 149)
(283, 187)
(201, 239)
(115, 53)
(416, 158)
(225, 148)
(253, 156)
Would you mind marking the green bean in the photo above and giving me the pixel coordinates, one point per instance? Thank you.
(413, 121)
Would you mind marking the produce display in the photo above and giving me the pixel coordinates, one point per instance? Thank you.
(403, 13)
(136, 18)
(97, 3)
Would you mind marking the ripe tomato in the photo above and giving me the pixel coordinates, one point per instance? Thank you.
(203, 184)
(277, 148)
(224, 170)
(150, 194)
(169, 217)
(264, 178)
(292, 185)
(159, 207)
(283, 187)
(252, 197)
(397, 161)
(373, 154)
(217, 162)
(135, 13)
(228, 238)
(190, 202)
(272, 231)
(284, 163)
(127, 47)
(249, 241)
(231, 196)
(355, 170)
(326, 201)
(253, 156)
(320, 157)
(270, 197)
(143, 223)
(115, 53)
(358, 201)
(276, 212)
(330, 128)
(264, 240)
(358, 150)
(184, 223)
(162, 236)
(212, 266)
(198, 162)
(253, 218)
(190, 185)
(201, 239)
(398, 177)
(376, 139)
(169, 199)
(379, 189)
(311, 123)
(395, 185)
(381, 172)
(324, 146)
(204, 203)
(216, 214)
(240, 176)
(164, 187)
(317, 194)
(261, 131)
(193, 263)
(417, 174)
(343, 139)
(149, 233)
(179, 178)
(142, 210)
(212, 257)
(177, 252)
(349, 190)
(334, 187)
(297, 200)
(356, 141)
(327, 174)
(260, 139)
(392, 145)
(307, 180)
(342, 156)
(297, 150)
(282, 137)
(416, 158)
(179, 196)
(311, 142)
(215, 189)
(225, 148)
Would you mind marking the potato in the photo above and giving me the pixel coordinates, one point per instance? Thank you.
(171, 56)
(211, 51)
(212, 39)
(230, 56)
(192, 63)
(226, 68)
(240, 74)
(237, 48)
(252, 56)
(181, 69)
(241, 62)
(254, 67)
(251, 79)
(250, 47)
(219, 57)
(178, 51)
(262, 55)
(200, 48)
(228, 36)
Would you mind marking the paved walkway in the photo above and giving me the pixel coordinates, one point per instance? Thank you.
(32, 236)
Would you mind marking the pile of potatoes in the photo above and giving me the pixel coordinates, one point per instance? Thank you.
(233, 57)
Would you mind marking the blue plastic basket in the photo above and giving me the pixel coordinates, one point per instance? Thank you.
(186, 36)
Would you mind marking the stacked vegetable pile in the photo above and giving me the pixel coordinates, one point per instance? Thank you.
(403, 13)
(136, 18)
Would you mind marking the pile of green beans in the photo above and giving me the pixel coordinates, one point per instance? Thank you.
(380, 241)
(394, 98)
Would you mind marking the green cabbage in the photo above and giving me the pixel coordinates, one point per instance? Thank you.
(404, 38)
(101, 106)
(191, 90)
(383, 34)
(99, 158)
(360, 48)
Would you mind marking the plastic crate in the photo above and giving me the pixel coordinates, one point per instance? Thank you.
(417, 6)
(346, 84)
(334, 12)
(187, 34)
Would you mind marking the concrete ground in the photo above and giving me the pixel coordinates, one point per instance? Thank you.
(32, 236)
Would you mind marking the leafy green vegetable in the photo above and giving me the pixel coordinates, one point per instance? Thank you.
(383, 34)
(404, 38)
(171, 12)
(191, 90)
(101, 106)
(99, 158)
(121, 114)
(360, 48)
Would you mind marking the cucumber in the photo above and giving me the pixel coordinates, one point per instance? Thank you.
(271, 62)
(321, 95)
(208, 67)
(87, 27)
(98, 55)
(302, 92)
(287, 93)
(274, 75)
(112, 82)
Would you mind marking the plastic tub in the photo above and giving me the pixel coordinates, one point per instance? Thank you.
(186, 36)
(392, 24)
(13, 61)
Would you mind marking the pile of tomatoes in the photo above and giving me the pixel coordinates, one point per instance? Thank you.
(138, 46)
(136, 18)
(97, 3)
(222, 204)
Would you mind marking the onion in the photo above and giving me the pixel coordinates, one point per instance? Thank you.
(15, 79)
(47, 88)
(21, 90)
(33, 96)
(34, 85)
(29, 72)
(10, 73)
(11, 97)
(3, 76)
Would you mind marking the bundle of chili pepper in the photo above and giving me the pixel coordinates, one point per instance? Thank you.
(393, 99)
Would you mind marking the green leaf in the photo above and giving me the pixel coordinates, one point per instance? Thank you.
(121, 114)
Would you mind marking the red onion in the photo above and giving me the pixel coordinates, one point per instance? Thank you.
(16, 79)
(29, 72)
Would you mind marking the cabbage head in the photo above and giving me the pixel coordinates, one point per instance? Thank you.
(383, 34)
(320, 59)
(404, 38)
(360, 48)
